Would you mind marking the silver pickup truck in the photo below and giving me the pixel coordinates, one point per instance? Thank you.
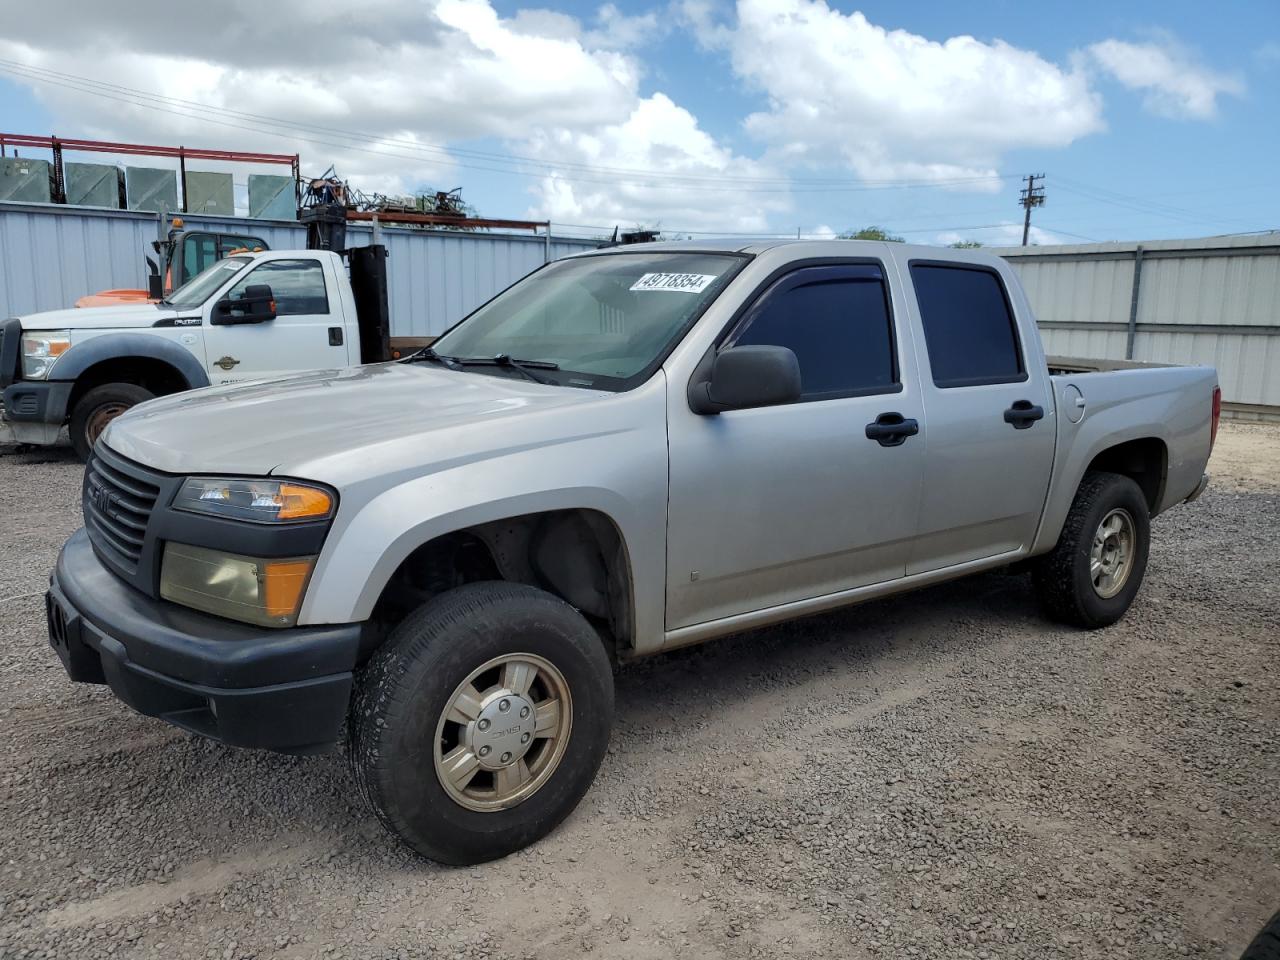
(440, 560)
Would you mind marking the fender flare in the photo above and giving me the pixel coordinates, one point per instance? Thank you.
(119, 346)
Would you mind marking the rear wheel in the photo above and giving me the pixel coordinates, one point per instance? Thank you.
(1092, 575)
(481, 722)
(97, 408)
(1266, 945)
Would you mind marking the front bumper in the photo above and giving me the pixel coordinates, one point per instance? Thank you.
(283, 690)
(36, 409)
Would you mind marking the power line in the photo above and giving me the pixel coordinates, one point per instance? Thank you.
(1139, 204)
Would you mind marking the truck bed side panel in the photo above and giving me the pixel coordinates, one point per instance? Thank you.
(1172, 404)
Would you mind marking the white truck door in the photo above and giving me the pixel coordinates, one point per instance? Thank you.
(991, 425)
(308, 332)
(777, 504)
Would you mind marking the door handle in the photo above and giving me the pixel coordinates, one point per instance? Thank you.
(335, 336)
(892, 429)
(1023, 414)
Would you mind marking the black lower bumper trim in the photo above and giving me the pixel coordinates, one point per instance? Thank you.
(37, 401)
(284, 690)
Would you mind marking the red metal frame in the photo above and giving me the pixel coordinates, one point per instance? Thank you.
(144, 150)
(442, 220)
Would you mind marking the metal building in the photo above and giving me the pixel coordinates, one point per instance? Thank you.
(1212, 301)
(51, 255)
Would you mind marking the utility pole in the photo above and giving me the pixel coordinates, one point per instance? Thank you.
(1032, 196)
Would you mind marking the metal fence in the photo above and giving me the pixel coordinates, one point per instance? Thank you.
(1171, 301)
(51, 255)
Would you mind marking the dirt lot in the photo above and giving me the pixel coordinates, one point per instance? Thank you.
(941, 775)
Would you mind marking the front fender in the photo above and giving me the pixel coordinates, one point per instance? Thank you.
(621, 474)
(114, 346)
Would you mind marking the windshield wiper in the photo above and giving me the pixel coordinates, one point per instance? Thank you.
(429, 353)
(524, 367)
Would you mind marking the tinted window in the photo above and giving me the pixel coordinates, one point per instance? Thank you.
(297, 285)
(967, 326)
(836, 321)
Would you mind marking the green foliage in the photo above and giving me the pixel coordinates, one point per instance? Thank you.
(871, 233)
(967, 244)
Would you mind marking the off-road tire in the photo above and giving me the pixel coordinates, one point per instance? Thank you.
(404, 689)
(90, 408)
(1062, 578)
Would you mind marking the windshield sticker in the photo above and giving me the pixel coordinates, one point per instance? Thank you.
(678, 282)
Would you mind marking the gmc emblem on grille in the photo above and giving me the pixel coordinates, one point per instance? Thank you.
(101, 498)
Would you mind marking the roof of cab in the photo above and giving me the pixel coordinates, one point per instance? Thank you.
(811, 248)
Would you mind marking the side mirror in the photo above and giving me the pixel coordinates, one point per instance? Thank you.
(744, 377)
(257, 305)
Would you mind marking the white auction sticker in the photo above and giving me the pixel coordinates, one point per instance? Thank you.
(679, 282)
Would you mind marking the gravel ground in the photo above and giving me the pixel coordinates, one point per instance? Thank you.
(939, 775)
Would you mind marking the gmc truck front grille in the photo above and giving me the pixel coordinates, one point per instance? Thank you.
(118, 500)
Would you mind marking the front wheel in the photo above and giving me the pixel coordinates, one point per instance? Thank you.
(1092, 575)
(481, 722)
(97, 408)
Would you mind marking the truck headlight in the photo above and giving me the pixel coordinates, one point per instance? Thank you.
(40, 349)
(266, 592)
(266, 501)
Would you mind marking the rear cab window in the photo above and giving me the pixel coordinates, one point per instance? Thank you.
(969, 329)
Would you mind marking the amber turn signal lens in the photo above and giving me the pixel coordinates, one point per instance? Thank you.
(299, 502)
(283, 582)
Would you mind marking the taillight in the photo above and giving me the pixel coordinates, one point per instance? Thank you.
(1217, 415)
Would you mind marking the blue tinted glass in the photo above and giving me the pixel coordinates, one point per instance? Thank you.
(967, 326)
(838, 328)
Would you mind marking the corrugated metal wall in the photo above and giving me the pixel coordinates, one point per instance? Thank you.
(50, 256)
(1197, 301)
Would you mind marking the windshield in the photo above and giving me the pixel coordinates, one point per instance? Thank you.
(602, 319)
(198, 289)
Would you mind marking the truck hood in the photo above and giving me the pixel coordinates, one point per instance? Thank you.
(98, 318)
(331, 425)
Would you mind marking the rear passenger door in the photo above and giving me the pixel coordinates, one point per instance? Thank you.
(991, 433)
(779, 504)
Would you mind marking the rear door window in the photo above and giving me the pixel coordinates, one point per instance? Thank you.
(836, 320)
(968, 325)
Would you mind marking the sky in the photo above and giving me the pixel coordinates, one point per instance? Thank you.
(700, 117)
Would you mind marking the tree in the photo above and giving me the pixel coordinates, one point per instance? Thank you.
(967, 244)
(871, 233)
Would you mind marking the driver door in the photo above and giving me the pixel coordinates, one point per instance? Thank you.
(780, 504)
(307, 332)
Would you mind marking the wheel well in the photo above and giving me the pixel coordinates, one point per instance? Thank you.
(578, 555)
(151, 374)
(1145, 461)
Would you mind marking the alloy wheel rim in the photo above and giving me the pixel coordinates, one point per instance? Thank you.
(1111, 555)
(503, 732)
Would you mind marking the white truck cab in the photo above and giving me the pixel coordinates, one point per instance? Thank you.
(250, 316)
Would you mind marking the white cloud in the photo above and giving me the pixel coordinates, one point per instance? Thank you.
(1173, 83)
(661, 137)
(895, 105)
(617, 31)
(391, 85)
(401, 76)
